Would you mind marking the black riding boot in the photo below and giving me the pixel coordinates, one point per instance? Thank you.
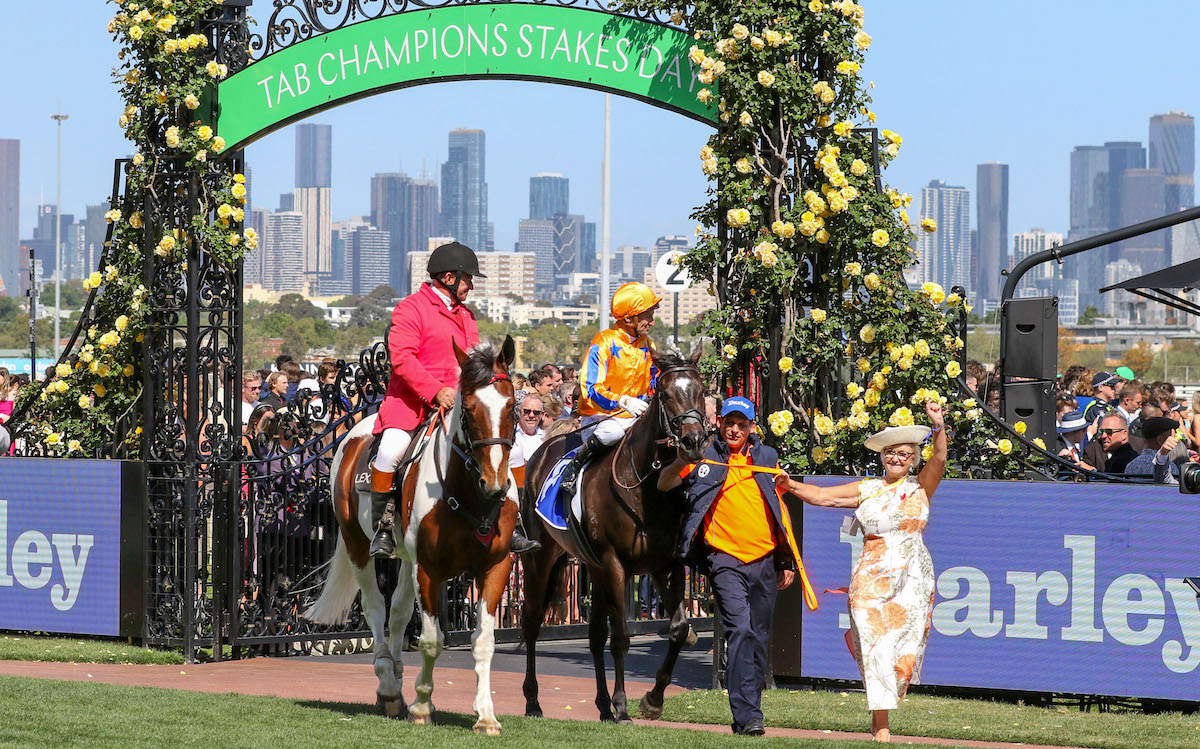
(570, 474)
(383, 512)
(520, 543)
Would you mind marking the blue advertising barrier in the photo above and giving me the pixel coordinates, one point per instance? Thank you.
(72, 555)
(1041, 587)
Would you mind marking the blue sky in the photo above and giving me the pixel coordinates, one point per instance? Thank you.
(964, 83)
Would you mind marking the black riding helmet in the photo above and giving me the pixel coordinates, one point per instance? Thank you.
(453, 258)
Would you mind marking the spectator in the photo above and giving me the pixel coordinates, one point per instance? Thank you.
(712, 409)
(975, 375)
(993, 398)
(1082, 390)
(567, 394)
(1162, 394)
(529, 435)
(1194, 424)
(1148, 411)
(541, 383)
(251, 389)
(1130, 400)
(1159, 433)
(1064, 404)
(553, 407)
(295, 376)
(519, 382)
(281, 360)
(555, 374)
(7, 394)
(1072, 436)
(562, 426)
(1114, 438)
(277, 387)
(570, 375)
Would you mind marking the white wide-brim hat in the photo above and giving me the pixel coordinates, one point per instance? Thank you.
(897, 436)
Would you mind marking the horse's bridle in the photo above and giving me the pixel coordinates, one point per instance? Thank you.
(483, 525)
(674, 424)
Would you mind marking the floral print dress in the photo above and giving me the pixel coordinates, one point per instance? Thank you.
(891, 593)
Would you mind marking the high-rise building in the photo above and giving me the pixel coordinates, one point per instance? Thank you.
(1089, 217)
(567, 246)
(1173, 150)
(536, 235)
(587, 247)
(1142, 193)
(314, 155)
(1119, 303)
(10, 216)
(90, 248)
(669, 243)
(370, 252)
(549, 195)
(252, 263)
(283, 255)
(507, 273)
(464, 212)
(341, 280)
(316, 205)
(1030, 243)
(991, 194)
(1185, 242)
(629, 263)
(407, 209)
(944, 256)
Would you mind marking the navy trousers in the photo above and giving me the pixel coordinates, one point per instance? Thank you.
(745, 594)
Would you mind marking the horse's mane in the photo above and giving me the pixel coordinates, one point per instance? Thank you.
(671, 357)
(477, 371)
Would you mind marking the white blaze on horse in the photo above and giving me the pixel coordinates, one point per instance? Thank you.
(455, 514)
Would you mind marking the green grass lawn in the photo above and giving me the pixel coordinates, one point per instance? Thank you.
(954, 718)
(63, 649)
(43, 713)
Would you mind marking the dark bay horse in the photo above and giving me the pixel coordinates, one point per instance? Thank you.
(633, 529)
(456, 514)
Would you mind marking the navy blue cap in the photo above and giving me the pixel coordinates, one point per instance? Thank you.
(738, 405)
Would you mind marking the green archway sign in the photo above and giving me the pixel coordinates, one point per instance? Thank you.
(513, 41)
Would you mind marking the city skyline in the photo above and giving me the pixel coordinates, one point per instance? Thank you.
(656, 177)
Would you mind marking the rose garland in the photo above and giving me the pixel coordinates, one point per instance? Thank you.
(809, 241)
(165, 68)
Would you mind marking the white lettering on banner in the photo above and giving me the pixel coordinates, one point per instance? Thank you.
(646, 50)
(499, 39)
(302, 77)
(321, 67)
(528, 47)
(1133, 608)
(32, 561)
(372, 56)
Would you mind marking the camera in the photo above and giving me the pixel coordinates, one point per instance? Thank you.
(1189, 478)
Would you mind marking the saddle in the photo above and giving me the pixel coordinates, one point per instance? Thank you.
(416, 448)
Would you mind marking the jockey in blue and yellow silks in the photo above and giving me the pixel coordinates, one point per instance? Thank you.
(618, 376)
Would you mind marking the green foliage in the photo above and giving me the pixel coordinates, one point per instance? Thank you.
(806, 242)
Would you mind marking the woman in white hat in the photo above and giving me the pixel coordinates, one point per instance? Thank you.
(891, 593)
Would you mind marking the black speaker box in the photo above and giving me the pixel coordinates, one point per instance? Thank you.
(1031, 338)
(1032, 403)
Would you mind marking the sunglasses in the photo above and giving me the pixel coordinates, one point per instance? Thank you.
(531, 412)
(902, 455)
(1111, 432)
(252, 387)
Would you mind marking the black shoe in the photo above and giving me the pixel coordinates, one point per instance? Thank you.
(383, 545)
(753, 728)
(520, 544)
(570, 474)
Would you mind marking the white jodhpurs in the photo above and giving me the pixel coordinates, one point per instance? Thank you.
(393, 443)
(609, 431)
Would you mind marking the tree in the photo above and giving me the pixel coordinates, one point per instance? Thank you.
(296, 306)
(1090, 313)
(1138, 357)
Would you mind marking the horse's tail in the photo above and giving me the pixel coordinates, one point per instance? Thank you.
(337, 595)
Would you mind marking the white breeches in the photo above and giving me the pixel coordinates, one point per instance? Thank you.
(393, 443)
(610, 431)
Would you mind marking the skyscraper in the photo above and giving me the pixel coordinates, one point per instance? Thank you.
(1142, 193)
(567, 236)
(587, 247)
(10, 215)
(407, 209)
(1173, 150)
(316, 205)
(536, 235)
(91, 248)
(991, 189)
(464, 213)
(945, 255)
(314, 155)
(1089, 217)
(283, 255)
(549, 195)
(370, 249)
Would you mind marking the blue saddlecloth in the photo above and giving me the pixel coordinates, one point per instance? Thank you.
(550, 504)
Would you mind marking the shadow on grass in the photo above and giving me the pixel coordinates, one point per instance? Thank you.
(360, 709)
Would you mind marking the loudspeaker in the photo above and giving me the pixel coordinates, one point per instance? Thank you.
(1031, 338)
(1032, 403)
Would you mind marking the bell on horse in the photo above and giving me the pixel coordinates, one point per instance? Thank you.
(457, 509)
(631, 528)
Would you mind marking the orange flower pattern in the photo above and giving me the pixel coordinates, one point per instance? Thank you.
(891, 593)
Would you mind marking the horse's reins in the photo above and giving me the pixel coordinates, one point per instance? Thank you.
(485, 525)
(673, 425)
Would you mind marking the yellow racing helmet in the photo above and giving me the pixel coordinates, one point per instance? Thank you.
(632, 299)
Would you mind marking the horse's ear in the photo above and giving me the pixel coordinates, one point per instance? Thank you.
(459, 353)
(698, 353)
(508, 353)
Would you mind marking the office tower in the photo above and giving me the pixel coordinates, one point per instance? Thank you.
(1122, 156)
(536, 235)
(91, 245)
(341, 280)
(1030, 243)
(1119, 303)
(1173, 150)
(407, 209)
(287, 201)
(991, 234)
(316, 205)
(314, 155)
(252, 263)
(10, 216)
(669, 243)
(1089, 217)
(549, 195)
(587, 247)
(491, 237)
(464, 212)
(283, 256)
(944, 256)
(248, 174)
(1185, 242)
(1142, 192)
(567, 229)
(370, 249)
(629, 263)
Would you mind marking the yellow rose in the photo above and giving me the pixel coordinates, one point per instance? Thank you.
(757, 43)
(729, 351)
(705, 96)
(848, 67)
(927, 452)
(785, 364)
(766, 78)
(880, 238)
(818, 314)
(742, 165)
(901, 417)
(127, 370)
(819, 455)
(815, 6)
(953, 369)
(862, 40)
(135, 33)
(864, 366)
(173, 137)
(745, 119)
(929, 224)
(1004, 446)
(823, 423)
(921, 347)
(740, 32)
(853, 390)
(84, 402)
(858, 168)
(1038, 441)
(871, 397)
(873, 281)
(736, 217)
(852, 269)
(696, 55)
(54, 438)
(99, 390)
(74, 446)
(867, 333)
(112, 216)
(842, 129)
(122, 322)
(1019, 427)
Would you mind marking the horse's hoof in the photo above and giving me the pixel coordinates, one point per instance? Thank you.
(488, 729)
(391, 707)
(420, 720)
(533, 711)
(692, 637)
(648, 709)
(608, 718)
(624, 719)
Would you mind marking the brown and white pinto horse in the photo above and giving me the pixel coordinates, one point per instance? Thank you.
(453, 517)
